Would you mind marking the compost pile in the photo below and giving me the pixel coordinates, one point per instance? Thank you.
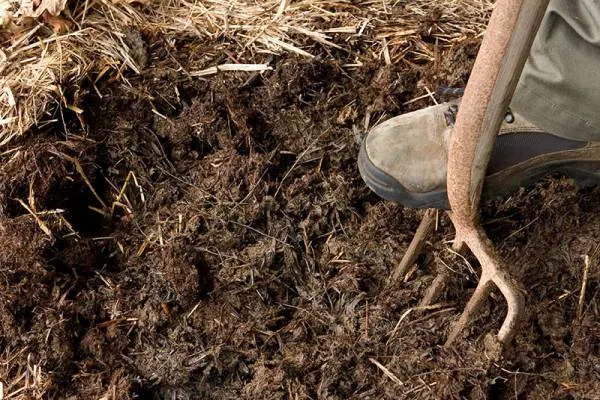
(181, 215)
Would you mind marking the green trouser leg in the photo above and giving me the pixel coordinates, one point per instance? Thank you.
(559, 89)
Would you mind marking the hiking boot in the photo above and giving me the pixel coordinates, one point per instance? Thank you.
(405, 159)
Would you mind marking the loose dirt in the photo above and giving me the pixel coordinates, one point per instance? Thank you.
(212, 238)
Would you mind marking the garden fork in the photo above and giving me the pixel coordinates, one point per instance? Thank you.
(498, 66)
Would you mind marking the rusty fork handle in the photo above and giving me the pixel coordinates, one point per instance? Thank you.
(498, 66)
(504, 50)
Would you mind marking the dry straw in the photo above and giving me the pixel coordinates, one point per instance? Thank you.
(36, 62)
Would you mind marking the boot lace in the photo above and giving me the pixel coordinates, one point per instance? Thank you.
(452, 111)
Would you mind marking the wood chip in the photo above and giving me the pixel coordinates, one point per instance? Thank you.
(387, 372)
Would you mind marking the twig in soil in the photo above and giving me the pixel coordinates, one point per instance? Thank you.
(522, 228)
(99, 211)
(404, 315)
(193, 310)
(255, 185)
(128, 209)
(456, 253)
(116, 321)
(321, 38)
(386, 52)
(427, 386)
(562, 296)
(447, 266)
(62, 220)
(203, 191)
(40, 223)
(387, 372)
(121, 194)
(270, 41)
(144, 245)
(366, 334)
(543, 375)
(261, 233)
(79, 169)
(410, 310)
(433, 314)
(424, 96)
(231, 67)
(584, 281)
(414, 249)
(418, 389)
(298, 159)
(431, 95)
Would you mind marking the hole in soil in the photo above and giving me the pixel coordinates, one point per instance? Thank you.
(12, 207)
(190, 91)
(142, 393)
(202, 147)
(201, 226)
(261, 132)
(85, 221)
(74, 197)
(24, 318)
(284, 317)
(368, 285)
(279, 264)
(367, 197)
(345, 386)
(280, 166)
(496, 391)
(568, 338)
(205, 279)
(167, 147)
(243, 147)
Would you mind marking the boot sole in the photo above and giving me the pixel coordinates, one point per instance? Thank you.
(581, 165)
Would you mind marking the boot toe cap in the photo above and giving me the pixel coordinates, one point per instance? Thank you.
(404, 159)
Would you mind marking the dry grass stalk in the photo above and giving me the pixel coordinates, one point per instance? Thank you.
(387, 372)
(584, 282)
(35, 62)
(22, 377)
(40, 223)
(81, 173)
(231, 67)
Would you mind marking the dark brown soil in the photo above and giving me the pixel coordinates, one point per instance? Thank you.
(231, 250)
